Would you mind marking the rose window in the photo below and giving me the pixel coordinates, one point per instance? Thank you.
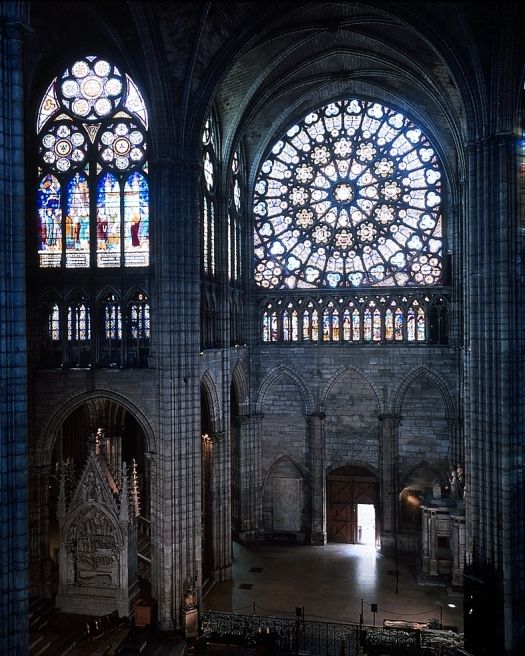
(349, 196)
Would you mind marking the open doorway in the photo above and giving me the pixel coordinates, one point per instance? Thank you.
(366, 524)
(349, 487)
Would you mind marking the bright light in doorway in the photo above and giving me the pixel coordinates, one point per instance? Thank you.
(366, 524)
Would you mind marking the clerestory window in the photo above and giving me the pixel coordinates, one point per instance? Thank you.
(92, 190)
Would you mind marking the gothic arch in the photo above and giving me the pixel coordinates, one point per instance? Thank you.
(105, 292)
(101, 508)
(421, 465)
(399, 393)
(340, 372)
(272, 376)
(241, 385)
(210, 389)
(46, 440)
(352, 463)
(285, 457)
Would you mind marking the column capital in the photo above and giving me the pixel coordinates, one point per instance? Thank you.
(389, 416)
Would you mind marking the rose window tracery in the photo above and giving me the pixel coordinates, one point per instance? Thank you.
(349, 196)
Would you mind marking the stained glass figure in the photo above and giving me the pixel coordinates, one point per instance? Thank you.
(50, 222)
(266, 322)
(326, 325)
(356, 325)
(274, 327)
(389, 325)
(287, 328)
(92, 118)
(347, 326)
(77, 222)
(411, 325)
(315, 326)
(376, 325)
(367, 325)
(335, 326)
(349, 196)
(295, 326)
(136, 220)
(307, 328)
(108, 221)
(398, 324)
(420, 331)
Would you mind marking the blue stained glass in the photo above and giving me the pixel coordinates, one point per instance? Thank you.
(50, 222)
(136, 220)
(398, 324)
(77, 222)
(108, 221)
(326, 326)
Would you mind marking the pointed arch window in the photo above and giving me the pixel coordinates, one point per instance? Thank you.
(93, 189)
(111, 343)
(235, 216)
(208, 199)
(138, 331)
(78, 332)
(53, 323)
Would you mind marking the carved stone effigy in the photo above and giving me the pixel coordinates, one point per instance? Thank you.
(98, 543)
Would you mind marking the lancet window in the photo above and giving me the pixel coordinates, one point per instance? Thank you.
(208, 196)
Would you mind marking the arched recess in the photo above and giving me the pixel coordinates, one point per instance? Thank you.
(352, 407)
(426, 411)
(286, 500)
(347, 488)
(273, 376)
(209, 419)
(121, 442)
(399, 393)
(240, 381)
(236, 396)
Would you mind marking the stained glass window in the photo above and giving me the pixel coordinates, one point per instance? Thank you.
(78, 321)
(92, 128)
(138, 331)
(54, 323)
(235, 216)
(349, 196)
(112, 319)
(209, 168)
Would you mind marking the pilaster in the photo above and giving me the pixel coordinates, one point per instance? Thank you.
(13, 361)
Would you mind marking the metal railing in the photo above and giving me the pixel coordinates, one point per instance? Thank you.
(304, 637)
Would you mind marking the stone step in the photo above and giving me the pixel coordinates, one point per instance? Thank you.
(53, 644)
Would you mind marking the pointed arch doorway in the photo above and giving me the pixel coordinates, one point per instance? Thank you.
(352, 500)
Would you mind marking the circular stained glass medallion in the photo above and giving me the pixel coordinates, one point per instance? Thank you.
(349, 196)
(91, 88)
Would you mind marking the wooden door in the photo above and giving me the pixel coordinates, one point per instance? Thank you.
(346, 487)
(342, 519)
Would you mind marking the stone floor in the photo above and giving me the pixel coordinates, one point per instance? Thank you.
(333, 583)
